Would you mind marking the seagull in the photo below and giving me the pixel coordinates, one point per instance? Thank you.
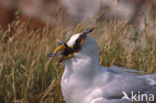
(84, 80)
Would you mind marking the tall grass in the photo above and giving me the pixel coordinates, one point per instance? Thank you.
(27, 75)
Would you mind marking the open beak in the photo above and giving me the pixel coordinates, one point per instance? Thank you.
(60, 51)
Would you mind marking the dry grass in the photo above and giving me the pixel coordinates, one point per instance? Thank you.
(28, 76)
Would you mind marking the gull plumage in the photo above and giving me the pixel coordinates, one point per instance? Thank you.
(84, 80)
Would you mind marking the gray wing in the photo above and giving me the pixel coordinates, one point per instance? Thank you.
(118, 80)
(123, 70)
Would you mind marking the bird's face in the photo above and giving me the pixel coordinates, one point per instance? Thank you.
(72, 47)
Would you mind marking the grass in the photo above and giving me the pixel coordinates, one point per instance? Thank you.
(27, 75)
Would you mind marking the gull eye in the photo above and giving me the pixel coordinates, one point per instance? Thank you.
(77, 46)
(79, 42)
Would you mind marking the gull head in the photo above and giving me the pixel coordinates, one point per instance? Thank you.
(79, 45)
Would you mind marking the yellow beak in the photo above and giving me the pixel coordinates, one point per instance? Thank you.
(60, 48)
(65, 58)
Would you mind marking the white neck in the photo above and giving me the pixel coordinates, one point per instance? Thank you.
(86, 66)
